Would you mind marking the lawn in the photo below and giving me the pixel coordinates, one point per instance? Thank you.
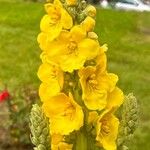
(126, 33)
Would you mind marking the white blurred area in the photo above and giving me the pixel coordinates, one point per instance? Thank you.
(127, 5)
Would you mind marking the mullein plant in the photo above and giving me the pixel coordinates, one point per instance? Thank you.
(79, 97)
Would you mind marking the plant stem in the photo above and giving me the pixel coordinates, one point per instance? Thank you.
(81, 140)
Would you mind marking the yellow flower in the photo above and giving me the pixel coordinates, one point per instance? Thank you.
(88, 24)
(71, 2)
(96, 83)
(64, 113)
(72, 49)
(107, 130)
(56, 19)
(57, 143)
(52, 78)
(101, 61)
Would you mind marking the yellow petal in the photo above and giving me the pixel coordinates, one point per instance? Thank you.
(72, 62)
(88, 24)
(55, 49)
(95, 100)
(49, 73)
(56, 138)
(55, 106)
(58, 47)
(46, 91)
(71, 2)
(66, 20)
(48, 7)
(85, 72)
(103, 48)
(101, 61)
(77, 33)
(92, 118)
(44, 25)
(44, 58)
(64, 36)
(88, 48)
(52, 30)
(64, 125)
(46, 73)
(107, 81)
(42, 40)
(62, 146)
(115, 98)
(65, 146)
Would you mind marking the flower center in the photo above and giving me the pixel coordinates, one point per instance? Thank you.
(72, 46)
(105, 130)
(54, 72)
(55, 16)
(69, 112)
(92, 81)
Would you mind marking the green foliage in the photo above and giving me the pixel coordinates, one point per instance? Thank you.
(129, 57)
(19, 107)
(19, 24)
(15, 117)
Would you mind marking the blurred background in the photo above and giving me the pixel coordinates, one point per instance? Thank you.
(123, 24)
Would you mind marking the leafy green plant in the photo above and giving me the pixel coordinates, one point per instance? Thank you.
(19, 105)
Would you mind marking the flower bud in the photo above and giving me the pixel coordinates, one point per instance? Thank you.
(71, 2)
(91, 11)
(92, 35)
(84, 4)
(88, 24)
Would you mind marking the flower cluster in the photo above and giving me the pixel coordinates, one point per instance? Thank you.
(76, 90)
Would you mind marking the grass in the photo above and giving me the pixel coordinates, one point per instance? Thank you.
(126, 33)
(19, 52)
(128, 37)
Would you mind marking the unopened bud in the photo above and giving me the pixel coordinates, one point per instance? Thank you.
(71, 2)
(90, 11)
(92, 35)
(88, 24)
(81, 17)
(83, 3)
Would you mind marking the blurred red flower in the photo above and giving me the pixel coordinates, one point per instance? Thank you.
(4, 95)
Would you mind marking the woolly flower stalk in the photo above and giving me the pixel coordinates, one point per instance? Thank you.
(79, 96)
